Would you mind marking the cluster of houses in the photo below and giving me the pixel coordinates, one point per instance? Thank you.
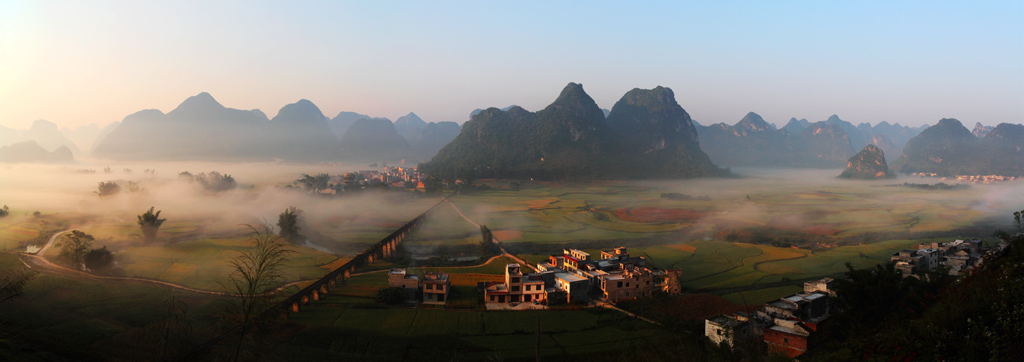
(957, 257)
(432, 289)
(575, 276)
(785, 324)
(986, 179)
(393, 176)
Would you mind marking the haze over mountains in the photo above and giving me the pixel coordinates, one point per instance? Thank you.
(753, 142)
(949, 149)
(645, 135)
(203, 129)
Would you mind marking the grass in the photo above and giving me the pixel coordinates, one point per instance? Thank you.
(72, 317)
(474, 335)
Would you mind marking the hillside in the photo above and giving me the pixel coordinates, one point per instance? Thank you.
(199, 128)
(571, 139)
(428, 141)
(950, 149)
(30, 151)
(751, 142)
(374, 140)
(868, 164)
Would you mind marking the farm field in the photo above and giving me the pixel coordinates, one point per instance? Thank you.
(73, 316)
(437, 334)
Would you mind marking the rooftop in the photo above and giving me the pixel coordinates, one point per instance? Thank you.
(727, 320)
(570, 277)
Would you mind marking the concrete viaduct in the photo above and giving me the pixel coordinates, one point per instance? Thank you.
(382, 249)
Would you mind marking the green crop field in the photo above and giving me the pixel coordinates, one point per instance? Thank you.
(470, 334)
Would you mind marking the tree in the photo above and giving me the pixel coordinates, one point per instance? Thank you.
(5, 211)
(108, 188)
(99, 261)
(390, 295)
(1017, 215)
(288, 222)
(255, 276)
(73, 247)
(150, 223)
(487, 244)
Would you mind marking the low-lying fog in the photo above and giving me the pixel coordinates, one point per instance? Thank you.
(260, 195)
(998, 200)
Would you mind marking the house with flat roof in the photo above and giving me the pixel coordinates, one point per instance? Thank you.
(518, 288)
(436, 287)
(727, 328)
(410, 284)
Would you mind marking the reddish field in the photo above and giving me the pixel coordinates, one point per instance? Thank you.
(657, 214)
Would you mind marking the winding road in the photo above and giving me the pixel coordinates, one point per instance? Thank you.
(38, 262)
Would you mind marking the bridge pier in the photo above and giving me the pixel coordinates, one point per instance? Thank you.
(315, 295)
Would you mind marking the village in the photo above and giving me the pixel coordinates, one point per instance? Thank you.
(784, 325)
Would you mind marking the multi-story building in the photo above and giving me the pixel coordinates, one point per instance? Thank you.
(518, 288)
(436, 287)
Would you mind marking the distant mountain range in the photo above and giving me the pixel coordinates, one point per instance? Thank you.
(753, 142)
(203, 129)
(30, 151)
(647, 134)
(949, 149)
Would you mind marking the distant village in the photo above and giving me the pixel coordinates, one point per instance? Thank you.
(397, 177)
(985, 179)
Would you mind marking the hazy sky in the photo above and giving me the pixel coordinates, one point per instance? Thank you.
(81, 62)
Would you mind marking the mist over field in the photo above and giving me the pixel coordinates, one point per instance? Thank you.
(261, 195)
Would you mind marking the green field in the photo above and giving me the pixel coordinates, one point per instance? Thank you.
(439, 334)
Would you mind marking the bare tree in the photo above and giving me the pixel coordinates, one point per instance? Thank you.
(13, 281)
(255, 276)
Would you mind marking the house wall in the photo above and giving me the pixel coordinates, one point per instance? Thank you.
(791, 345)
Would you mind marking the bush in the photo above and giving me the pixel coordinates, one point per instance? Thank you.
(390, 295)
(99, 261)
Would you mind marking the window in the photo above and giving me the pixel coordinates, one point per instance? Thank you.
(785, 340)
(514, 288)
(430, 287)
(620, 284)
(492, 298)
(515, 280)
(627, 284)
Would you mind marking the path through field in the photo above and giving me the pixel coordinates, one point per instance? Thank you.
(41, 263)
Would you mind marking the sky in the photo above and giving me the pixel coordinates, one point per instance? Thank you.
(81, 62)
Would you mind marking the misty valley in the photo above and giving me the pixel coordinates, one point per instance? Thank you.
(736, 243)
(432, 181)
